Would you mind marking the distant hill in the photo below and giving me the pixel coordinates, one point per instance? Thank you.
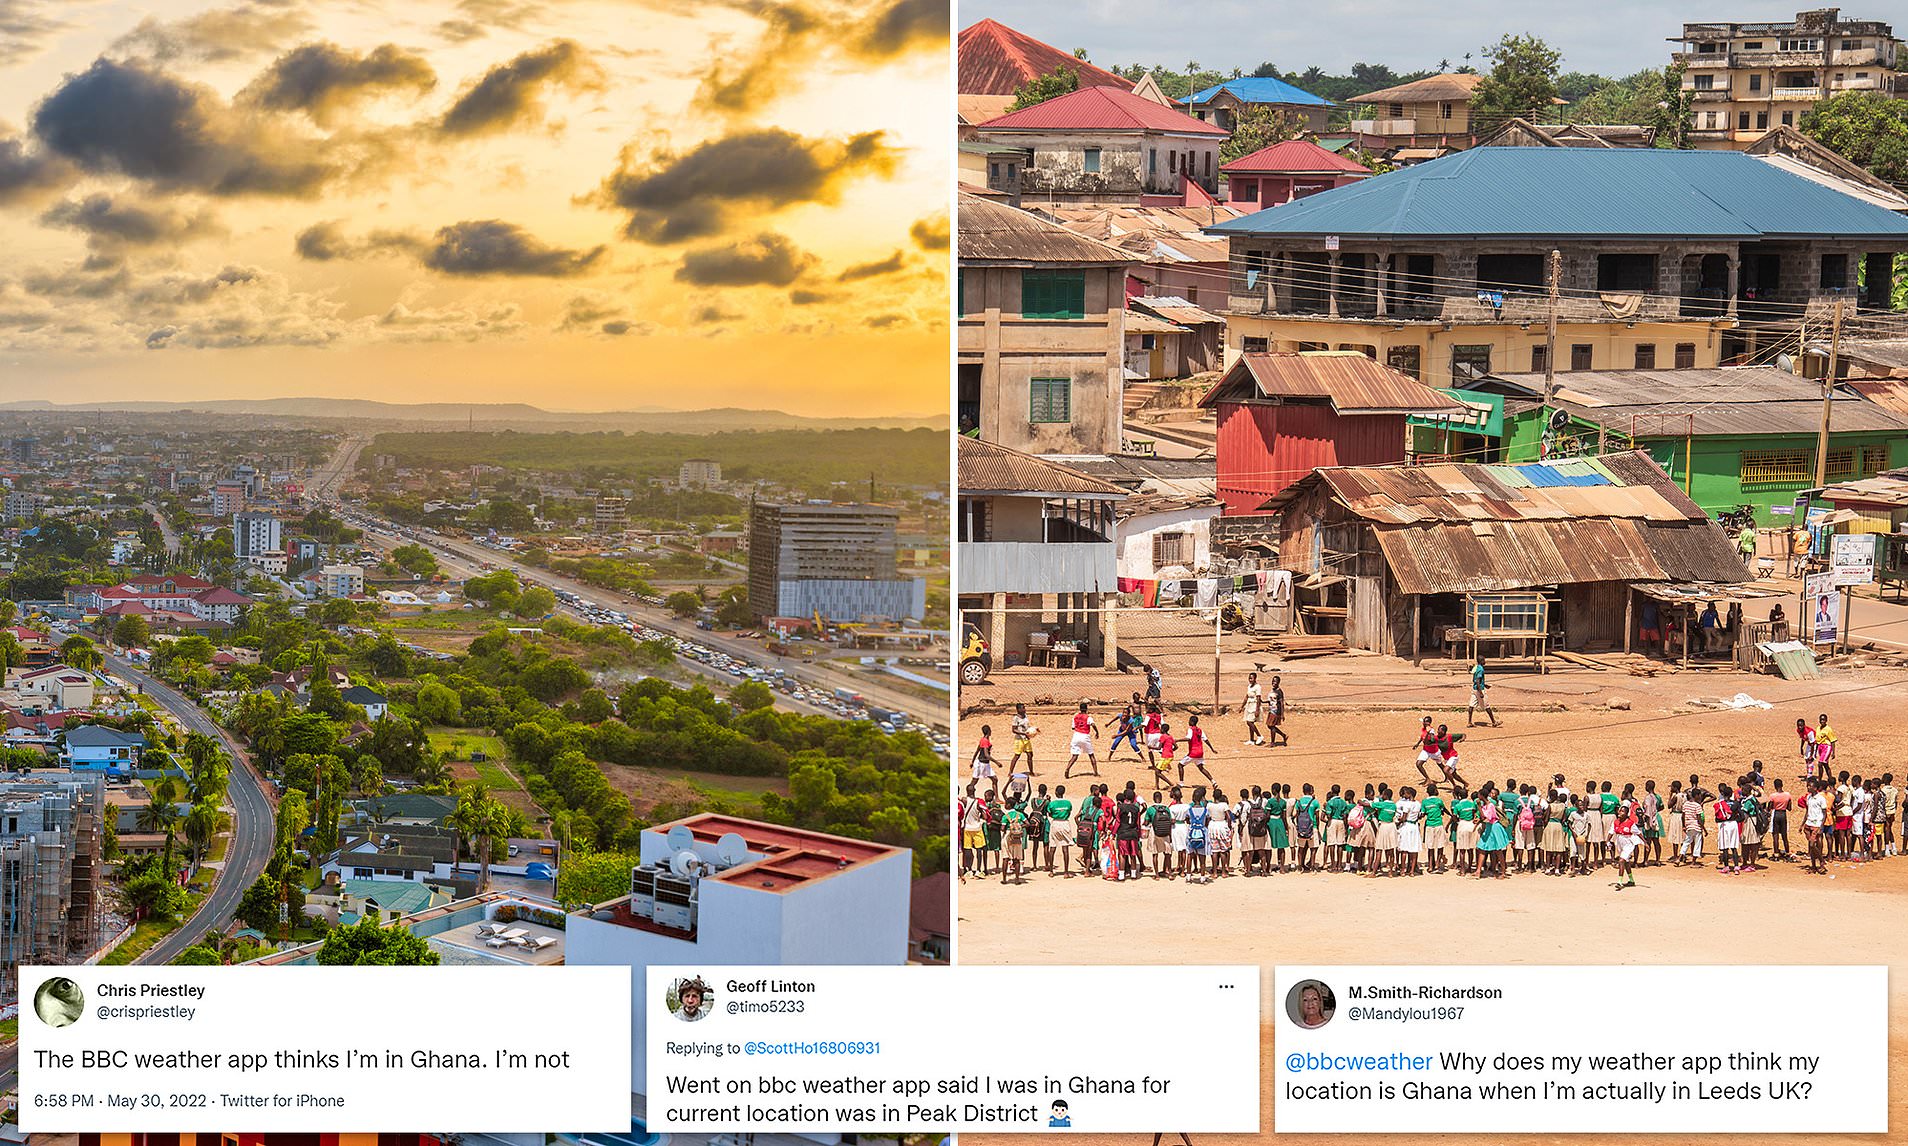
(501, 415)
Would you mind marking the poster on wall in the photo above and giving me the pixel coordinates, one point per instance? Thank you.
(1852, 559)
(1819, 599)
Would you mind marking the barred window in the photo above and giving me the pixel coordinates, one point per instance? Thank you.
(1778, 467)
(1874, 460)
(1172, 549)
(1050, 400)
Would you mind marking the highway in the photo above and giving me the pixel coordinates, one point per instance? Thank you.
(253, 821)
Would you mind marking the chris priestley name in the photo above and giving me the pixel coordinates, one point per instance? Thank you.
(150, 991)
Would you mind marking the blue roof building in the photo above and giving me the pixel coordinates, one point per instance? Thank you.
(1223, 104)
(1664, 259)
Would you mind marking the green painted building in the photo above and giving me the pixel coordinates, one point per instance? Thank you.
(1729, 436)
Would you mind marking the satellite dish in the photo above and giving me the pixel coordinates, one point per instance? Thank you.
(683, 863)
(732, 849)
(681, 839)
(1784, 362)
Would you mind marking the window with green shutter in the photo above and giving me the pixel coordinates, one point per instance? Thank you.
(1053, 294)
(1050, 400)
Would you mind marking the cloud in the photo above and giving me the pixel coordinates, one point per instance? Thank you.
(323, 79)
(30, 175)
(472, 248)
(903, 26)
(452, 324)
(746, 88)
(802, 296)
(129, 119)
(25, 27)
(931, 233)
(767, 259)
(709, 314)
(890, 265)
(512, 93)
(114, 224)
(598, 313)
(161, 338)
(217, 35)
(796, 36)
(672, 197)
(883, 321)
(620, 326)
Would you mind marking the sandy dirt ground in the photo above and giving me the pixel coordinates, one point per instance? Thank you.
(1353, 723)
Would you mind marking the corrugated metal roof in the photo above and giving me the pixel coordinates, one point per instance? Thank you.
(1726, 400)
(997, 60)
(1353, 382)
(1448, 85)
(1869, 491)
(1475, 528)
(1262, 89)
(1891, 394)
(1139, 322)
(972, 109)
(1175, 309)
(1889, 352)
(1564, 192)
(995, 232)
(1101, 109)
(1294, 156)
(988, 467)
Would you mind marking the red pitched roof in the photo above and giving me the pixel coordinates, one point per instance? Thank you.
(220, 595)
(1102, 109)
(1293, 156)
(996, 60)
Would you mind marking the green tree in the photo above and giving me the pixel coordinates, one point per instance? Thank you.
(198, 955)
(437, 704)
(1259, 127)
(1040, 89)
(161, 813)
(1522, 80)
(258, 907)
(152, 894)
(80, 653)
(593, 706)
(479, 819)
(1867, 128)
(415, 559)
(294, 816)
(131, 631)
(202, 823)
(751, 695)
(684, 603)
(732, 608)
(366, 944)
(536, 601)
(593, 877)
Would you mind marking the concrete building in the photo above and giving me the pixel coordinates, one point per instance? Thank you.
(1223, 105)
(1745, 80)
(22, 504)
(755, 894)
(1042, 332)
(1105, 146)
(612, 515)
(255, 535)
(835, 559)
(1691, 258)
(699, 472)
(1286, 171)
(228, 498)
(51, 869)
(1429, 115)
(341, 581)
(1036, 545)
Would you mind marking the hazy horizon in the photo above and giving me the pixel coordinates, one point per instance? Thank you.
(582, 205)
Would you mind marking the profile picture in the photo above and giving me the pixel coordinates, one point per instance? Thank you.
(59, 1002)
(1310, 1003)
(690, 1000)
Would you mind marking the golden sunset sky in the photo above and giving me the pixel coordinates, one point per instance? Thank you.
(580, 204)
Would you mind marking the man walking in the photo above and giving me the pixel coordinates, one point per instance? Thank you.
(1478, 685)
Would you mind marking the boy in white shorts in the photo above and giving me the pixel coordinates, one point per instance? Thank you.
(1082, 745)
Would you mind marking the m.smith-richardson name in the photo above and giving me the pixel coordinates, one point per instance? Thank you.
(1425, 992)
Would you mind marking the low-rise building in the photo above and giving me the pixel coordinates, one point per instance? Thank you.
(1100, 145)
(341, 581)
(369, 699)
(1747, 79)
(1286, 171)
(97, 748)
(1225, 104)
(63, 687)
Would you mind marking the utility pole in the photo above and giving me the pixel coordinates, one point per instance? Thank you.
(1550, 326)
(1828, 397)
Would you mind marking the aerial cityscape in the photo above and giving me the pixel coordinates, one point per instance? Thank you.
(1432, 489)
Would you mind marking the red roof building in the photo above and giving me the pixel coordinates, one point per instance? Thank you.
(1107, 147)
(1288, 170)
(996, 60)
(1282, 415)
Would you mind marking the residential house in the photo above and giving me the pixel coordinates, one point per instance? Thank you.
(1745, 80)
(1519, 132)
(369, 699)
(1165, 534)
(1041, 332)
(1410, 559)
(1282, 415)
(1224, 105)
(1170, 338)
(1421, 119)
(1101, 145)
(991, 169)
(1731, 436)
(97, 748)
(1285, 171)
(412, 854)
(997, 60)
(341, 581)
(1037, 553)
(63, 687)
(1440, 270)
(1789, 149)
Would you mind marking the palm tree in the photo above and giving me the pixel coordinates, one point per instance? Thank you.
(430, 771)
(80, 653)
(11, 654)
(201, 824)
(8, 611)
(160, 813)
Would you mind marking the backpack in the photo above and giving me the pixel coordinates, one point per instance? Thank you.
(1256, 821)
(1162, 821)
(1304, 821)
(1196, 827)
(1355, 819)
(1037, 819)
(991, 814)
(1526, 820)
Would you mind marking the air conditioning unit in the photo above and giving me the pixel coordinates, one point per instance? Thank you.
(675, 903)
(642, 890)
